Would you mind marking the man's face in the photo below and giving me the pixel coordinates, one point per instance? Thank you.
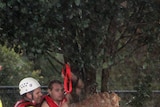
(57, 92)
(37, 95)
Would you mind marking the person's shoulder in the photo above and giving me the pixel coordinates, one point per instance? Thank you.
(44, 104)
(19, 103)
(65, 104)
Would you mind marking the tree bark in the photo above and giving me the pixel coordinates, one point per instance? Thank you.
(104, 81)
(90, 81)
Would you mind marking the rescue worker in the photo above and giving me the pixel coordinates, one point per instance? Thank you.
(31, 93)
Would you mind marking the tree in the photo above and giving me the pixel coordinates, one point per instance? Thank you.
(21, 28)
(91, 35)
(102, 33)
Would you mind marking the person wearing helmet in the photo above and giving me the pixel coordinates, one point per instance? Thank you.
(31, 93)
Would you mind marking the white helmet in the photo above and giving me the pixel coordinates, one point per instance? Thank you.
(28, 84)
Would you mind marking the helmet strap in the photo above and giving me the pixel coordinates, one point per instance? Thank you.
(30, 99)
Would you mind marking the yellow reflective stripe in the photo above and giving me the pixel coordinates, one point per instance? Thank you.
(1, 103)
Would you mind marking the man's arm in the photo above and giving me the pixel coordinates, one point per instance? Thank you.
(78, 85)
(78, 80)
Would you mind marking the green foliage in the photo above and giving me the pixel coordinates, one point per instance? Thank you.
(50, 69)
(144, 91)
(14, 67)
(22, 24)
(91, 35)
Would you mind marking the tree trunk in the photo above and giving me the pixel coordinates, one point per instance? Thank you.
(90, 81)
(104, 81)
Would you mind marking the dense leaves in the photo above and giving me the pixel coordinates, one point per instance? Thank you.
(92, 35)
(12, 66)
